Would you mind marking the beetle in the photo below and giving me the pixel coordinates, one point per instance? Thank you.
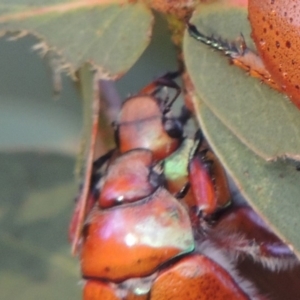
(155, 122)
(137, 217)
(146, 120)
(155, 215)
(275, 32)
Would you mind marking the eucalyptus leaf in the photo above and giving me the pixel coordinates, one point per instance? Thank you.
(31, 116)
(109, 34)
(272, 188)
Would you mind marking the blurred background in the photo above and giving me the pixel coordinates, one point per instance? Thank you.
(39, 138)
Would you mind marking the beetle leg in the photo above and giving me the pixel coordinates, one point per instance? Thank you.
(241, 232)
(238, 53)
(166, 80)
(156, 85)
(208, 183)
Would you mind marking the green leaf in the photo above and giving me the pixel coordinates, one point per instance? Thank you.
(31, 117)
(264, 120)
(90, 104)
(272, 188)
(36, 192)
(110, 35)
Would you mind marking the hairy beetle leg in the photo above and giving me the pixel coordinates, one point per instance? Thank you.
(238, 53)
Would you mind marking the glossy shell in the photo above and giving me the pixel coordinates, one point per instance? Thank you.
(218, 176)
(132, 241)
(202, 186)
(141, 125)
(196, 278)
(95, 290)
(276, 33)
(128, 179)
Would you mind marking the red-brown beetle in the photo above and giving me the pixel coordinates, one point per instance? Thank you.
(145, 121)
(138, 240)
(155, 216)
(275, 31)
